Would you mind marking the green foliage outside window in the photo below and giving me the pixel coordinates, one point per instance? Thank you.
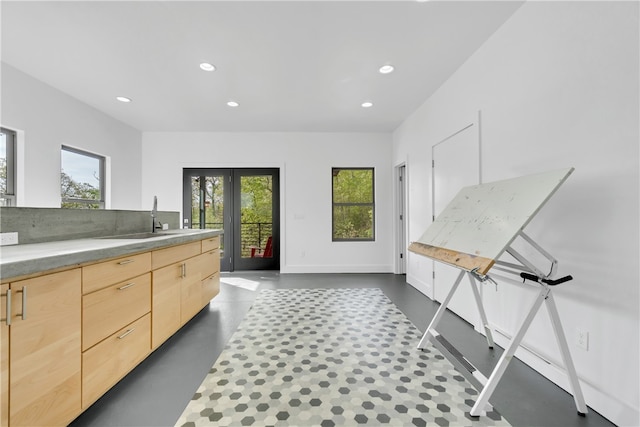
(81, 179)
(353, 204)
(82, 192)
(213, 201)
(3, 175)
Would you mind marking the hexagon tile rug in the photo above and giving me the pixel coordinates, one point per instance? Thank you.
(331, 357)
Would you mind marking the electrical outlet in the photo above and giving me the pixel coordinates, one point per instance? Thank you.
(8, 239)
(582, 339)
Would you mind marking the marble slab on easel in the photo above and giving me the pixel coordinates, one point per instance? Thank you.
(482, 220)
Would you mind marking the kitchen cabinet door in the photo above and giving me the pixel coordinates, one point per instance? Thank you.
(4, 358)
(44, 350)
(191, 288)
(165, 303)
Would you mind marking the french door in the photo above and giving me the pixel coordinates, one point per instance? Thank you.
(244, 203)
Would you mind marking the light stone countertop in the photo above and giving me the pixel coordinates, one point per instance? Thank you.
(22, 260)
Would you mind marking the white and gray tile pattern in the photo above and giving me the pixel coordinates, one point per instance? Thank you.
(331, 357)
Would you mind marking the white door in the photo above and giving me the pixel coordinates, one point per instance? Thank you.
(456, 164)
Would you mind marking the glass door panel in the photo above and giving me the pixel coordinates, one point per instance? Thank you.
(205, 206)
(256, 214)
(195, 202)
(256, 205)
(244, 204)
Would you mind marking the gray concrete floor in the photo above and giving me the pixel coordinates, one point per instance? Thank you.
(158, 390)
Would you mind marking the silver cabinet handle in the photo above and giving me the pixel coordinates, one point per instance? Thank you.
(183, 270)
(126, 333)
(8, 321)
(24, 303)
(122, 288)
(126, 261)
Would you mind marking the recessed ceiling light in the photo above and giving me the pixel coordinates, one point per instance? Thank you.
(233, 104)
(207, 67)
(367, 104)
(123, 99)
(386, 69)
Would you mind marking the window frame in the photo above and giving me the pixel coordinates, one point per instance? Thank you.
(8, 198)
(101, 177)
(372, 205)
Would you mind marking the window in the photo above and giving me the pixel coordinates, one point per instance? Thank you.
(7, 167)
(81, 179)
(353, 204)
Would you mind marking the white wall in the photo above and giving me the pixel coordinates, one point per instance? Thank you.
(305, 161)
(46, 119)
(557, 86)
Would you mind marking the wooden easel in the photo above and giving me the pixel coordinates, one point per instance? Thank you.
(475, 229)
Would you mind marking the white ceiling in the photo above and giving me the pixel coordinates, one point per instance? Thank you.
(292, 65)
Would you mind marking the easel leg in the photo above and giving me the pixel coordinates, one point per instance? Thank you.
(566, 355)
(500, 368)
(483, 315)
(438, 316)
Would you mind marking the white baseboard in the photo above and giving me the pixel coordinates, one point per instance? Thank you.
(610, 407)
(367, 268)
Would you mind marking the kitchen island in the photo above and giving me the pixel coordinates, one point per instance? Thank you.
(78, 315)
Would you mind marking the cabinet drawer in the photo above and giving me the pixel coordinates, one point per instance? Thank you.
(164, 257)
(101, 275)
(209, 244)
(209, 262)
(210, 288)
(106, 363)
(112, 308)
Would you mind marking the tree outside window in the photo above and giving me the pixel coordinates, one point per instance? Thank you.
(353, 204)
(7, 167)
(81, 179)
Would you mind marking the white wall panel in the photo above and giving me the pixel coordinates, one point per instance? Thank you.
(305, 160)
(557, 86)
(47, 119)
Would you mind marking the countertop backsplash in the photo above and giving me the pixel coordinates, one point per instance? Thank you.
(38, 225)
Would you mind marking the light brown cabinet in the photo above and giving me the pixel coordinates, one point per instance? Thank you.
(4, 357)
(106, 363)
(174, 254)
(103, 274)
(210, 267)
(182, 281)
(210, 244)
(210, 288)
(166, 304)
(44, 342)
(190, 289)
(173, 271)
(85, 328)
(114, 307)
(115, 338)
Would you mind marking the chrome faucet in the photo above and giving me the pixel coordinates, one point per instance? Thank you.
(155, 223)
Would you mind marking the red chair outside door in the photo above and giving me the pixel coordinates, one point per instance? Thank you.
(266, 253)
